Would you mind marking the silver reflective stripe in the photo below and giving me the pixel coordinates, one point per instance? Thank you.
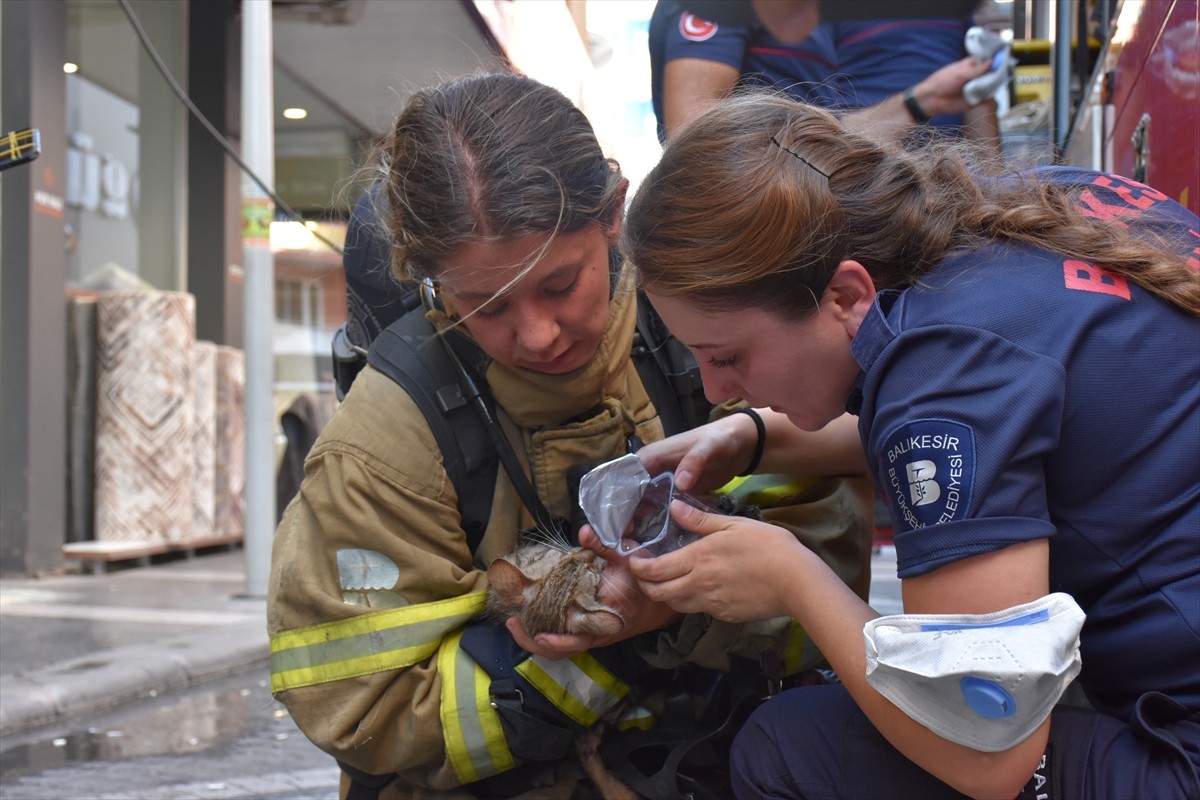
(581, 687)
(366, 643)
(475, 743)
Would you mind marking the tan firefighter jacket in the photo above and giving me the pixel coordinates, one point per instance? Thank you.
(372, 580)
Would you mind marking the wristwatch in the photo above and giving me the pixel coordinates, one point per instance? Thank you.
(914, 108)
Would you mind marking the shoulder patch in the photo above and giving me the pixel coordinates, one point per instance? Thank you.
(360, 569)
(929, 471)
(695, 29)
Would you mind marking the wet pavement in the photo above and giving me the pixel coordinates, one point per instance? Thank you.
(79, 643)
(178, 723)
(54, 619)
(225, 740)
(151, 681)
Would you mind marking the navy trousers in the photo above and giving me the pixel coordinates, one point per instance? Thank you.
(813, 742)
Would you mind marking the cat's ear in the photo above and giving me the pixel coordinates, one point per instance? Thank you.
(508, 582)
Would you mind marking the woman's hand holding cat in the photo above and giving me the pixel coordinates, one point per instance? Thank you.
(740, 571)
(549, 645)
(619, 591)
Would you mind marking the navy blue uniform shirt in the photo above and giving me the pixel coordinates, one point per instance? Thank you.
(844, 65)
(1017, 395)
(880, 58)
(803, 70)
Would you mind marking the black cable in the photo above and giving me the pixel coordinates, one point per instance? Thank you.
(543, 519)
(221, 140)
(480, 399)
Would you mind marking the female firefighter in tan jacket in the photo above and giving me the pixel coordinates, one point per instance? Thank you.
(500, 193)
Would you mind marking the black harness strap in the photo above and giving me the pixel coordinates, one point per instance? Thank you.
(407, 351)
(364, 785)
(669, 373)
(442, 378)
(481, 400)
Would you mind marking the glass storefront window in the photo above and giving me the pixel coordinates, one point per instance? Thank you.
(310, 302)
(124, 230)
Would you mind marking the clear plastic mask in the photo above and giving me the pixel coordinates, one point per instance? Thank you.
(630, 511)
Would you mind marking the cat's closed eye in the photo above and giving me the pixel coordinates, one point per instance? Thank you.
(551, 588)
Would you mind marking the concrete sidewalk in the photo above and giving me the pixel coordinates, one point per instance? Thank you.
(78, 643)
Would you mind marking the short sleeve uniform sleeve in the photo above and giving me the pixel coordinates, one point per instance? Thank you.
(689, 36)
(956, 422)
(802, 69)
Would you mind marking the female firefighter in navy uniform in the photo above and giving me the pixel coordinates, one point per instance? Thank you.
(1021, 354)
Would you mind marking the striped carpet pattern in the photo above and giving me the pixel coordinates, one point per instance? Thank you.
(204, 438)
(230, 477)
(144, 416)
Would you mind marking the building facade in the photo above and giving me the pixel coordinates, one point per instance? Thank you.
(134, 189)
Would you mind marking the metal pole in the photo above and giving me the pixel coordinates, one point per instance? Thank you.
(1061, 60)
(258, 302)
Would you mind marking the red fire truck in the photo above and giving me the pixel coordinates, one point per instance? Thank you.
(1139, 115)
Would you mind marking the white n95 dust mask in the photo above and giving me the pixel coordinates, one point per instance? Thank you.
(986, 681)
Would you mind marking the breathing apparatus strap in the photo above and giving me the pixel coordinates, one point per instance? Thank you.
(364, 785)
(477, 395)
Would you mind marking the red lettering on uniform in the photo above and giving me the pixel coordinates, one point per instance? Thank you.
(1136, 194)
(1087, 277)
(1094, 207)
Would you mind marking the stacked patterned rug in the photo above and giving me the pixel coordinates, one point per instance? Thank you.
(204, 438)
(145, 420)
(230, 479)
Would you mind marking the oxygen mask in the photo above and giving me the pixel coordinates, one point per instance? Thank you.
(630, 511)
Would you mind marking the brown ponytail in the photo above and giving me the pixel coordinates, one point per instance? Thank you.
(756, 202)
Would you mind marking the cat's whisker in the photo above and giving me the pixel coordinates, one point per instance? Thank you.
(555, 539)
(621, 586)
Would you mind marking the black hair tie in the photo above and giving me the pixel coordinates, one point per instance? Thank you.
(762, 439)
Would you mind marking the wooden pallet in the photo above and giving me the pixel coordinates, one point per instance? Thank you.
(96, 556)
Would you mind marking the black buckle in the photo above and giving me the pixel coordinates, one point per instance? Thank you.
(772, 671)
(348, 360)
(345, 350)
(504, 692)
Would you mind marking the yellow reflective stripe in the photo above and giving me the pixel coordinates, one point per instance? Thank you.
(367, 643)
(638, 717)
(580, 686)
(800, 654)
(475, 743)
(767, 490)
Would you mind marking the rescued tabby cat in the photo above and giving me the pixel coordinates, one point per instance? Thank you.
(552, 587)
